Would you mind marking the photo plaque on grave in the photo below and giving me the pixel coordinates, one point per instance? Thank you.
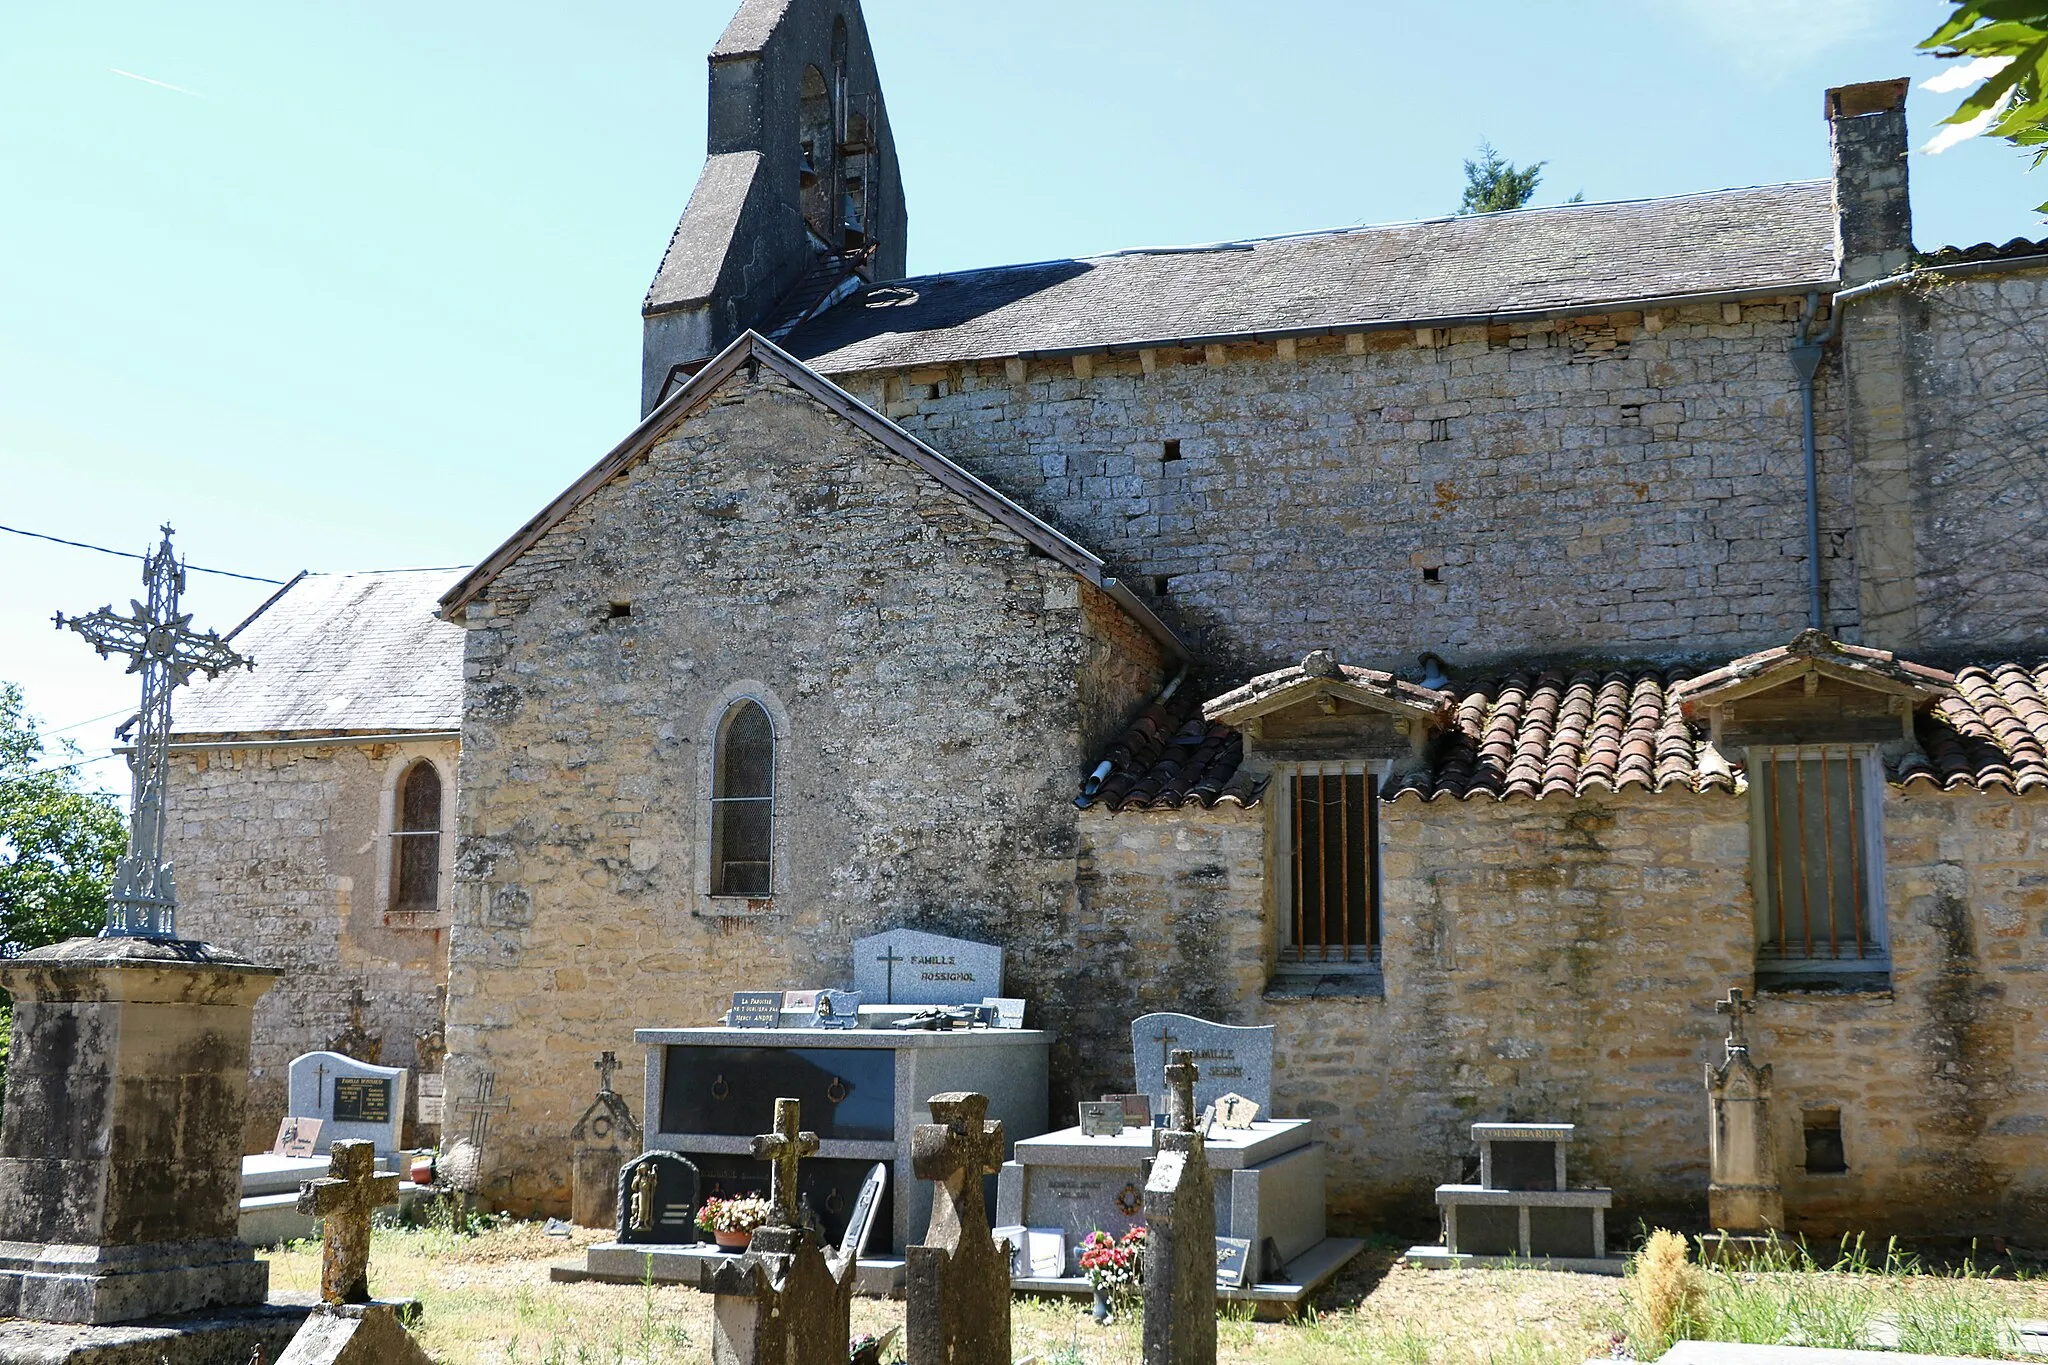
(836, 1009)
(1233, 1262)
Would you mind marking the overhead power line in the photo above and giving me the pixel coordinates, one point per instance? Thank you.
(129, 554)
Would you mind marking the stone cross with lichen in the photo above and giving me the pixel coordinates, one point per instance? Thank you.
(1180, 1083)
(957, 1284)
(960, 1146)
(1735, 1006)
(343, 1200)
(784, 1149)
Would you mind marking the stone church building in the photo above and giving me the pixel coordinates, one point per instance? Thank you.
(1470, 645)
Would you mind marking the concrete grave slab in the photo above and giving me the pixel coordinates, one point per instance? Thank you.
(909, 967)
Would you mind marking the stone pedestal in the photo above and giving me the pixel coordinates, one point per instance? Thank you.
(120, 1155)
(1521, 1209)
(1743, 1196)
(781, 1303)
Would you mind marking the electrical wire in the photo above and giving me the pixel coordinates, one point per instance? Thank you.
(130, 554)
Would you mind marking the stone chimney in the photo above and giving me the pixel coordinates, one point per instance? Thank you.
(1873, 216)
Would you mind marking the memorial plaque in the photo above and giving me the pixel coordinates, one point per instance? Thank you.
(836, 1009)
(1009, 1013)
(355, 1099)
(1235, 1112)
(1137, 1109)
(1228, 1059)
(1233, 1262)
(658, 1199)
(433, 1097)
(1015, 1238)
(755, 1009)
(1102, 1118)
(800, 1002)
(1048, 1253)
(362, 1099)
(297, 1137)
(861, 1222)
(906, 967)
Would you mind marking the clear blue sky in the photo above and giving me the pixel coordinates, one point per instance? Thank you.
(363, 290)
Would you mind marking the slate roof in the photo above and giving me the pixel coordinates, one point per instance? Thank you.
(1573, 257)
(1533, 735)
(360, 652)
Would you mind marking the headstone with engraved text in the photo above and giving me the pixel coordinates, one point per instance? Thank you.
(1230, 1059)
(352, 1098)
(908, 967)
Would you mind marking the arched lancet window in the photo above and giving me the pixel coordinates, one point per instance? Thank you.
(743, 802)
(416, 877)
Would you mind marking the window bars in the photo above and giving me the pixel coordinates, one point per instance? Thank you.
(1816, 864)
(1334, 856)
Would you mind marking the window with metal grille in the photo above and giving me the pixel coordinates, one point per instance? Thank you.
(416, 862)
(1815, 862)
(743, 803)
(1332, 876)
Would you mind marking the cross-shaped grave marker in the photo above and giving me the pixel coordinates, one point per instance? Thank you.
(1166, 1038)
(955, 1150)
(606, 1065)
(162, 646)
(784, 1149)
(1735, 1006)
(1180, 1084)
(344, 1199)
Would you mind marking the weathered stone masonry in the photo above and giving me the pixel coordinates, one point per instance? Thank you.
(939, 683)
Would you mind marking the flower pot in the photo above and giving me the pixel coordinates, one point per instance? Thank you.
(422, 1172)
(733, 1241)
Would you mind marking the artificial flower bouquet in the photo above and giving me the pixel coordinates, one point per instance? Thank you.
(741, 1213)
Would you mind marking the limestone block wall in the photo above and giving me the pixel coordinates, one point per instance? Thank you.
(282, 854)
(1627, 483)
(921, 664)
(1557, 960)
(1979, 514)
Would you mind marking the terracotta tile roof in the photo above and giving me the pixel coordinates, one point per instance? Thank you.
(1531, 735)
(1871, 667)
(1571, 257)
(1993, 734)
(1269, 691)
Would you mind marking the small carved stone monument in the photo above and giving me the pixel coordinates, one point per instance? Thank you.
(1743, 1196)
(605, 1136)
(657, 1199)
(957, 1297)
(783, 1302)
(1180, 1249)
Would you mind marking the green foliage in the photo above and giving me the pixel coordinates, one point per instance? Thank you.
(58, 842)
(1493, 183)
(2017, 96)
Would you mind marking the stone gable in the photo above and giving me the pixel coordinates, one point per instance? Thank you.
(935, 683)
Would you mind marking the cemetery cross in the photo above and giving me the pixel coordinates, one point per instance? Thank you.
(889, 959)
(162, 646)
(343, 1199)
(784, 1148)
(481, 1106)
(960, 1146)
(607, 1063)
(1735, 1006)
(1166, 1039)
(1180, 1082)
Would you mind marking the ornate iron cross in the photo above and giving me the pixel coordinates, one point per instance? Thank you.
(162, 646)
(783, 1149)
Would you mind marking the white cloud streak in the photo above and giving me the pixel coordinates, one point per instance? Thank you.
(161, 85)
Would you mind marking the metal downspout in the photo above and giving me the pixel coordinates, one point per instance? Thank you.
(1805, 355)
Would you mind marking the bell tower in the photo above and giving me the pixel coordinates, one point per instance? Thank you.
(800, 195)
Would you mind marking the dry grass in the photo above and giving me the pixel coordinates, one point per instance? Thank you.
(488, 1301)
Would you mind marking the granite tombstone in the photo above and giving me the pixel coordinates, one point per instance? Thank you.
(908, 967)
(1231, 1059)
(353, 1099)
(658, 1199)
